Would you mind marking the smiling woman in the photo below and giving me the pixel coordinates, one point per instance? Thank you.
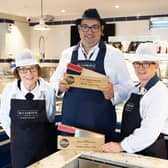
(145, 108)
(27, 112)
(29, 76)
(27, 70)
(145, 62)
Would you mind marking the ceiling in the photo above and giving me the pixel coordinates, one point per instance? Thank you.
(74, 8)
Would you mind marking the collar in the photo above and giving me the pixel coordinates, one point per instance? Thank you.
(148, 85)
(142, 90)
(25, 91)
(92, 50)
(151, 82)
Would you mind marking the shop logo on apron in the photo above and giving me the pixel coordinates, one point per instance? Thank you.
(27, 114)
(129, 107)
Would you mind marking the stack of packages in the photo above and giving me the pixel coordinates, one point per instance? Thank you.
(76, 138)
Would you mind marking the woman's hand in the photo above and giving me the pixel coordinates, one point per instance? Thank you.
(111, 147)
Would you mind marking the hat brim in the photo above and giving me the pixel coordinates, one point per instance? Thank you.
(140, 58)
(25, 63)
(78, 21)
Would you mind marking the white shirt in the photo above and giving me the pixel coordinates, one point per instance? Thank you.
(154, 114)
(41, 91)
(114, 65)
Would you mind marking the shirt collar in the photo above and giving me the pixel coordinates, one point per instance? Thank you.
(142, 90)
(151, 82)
(25, 91)
(93, 49)
(149, 85)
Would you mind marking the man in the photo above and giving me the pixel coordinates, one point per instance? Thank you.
(92, 109)
(146, 112)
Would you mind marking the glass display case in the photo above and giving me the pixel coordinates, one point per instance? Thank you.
(6, 74)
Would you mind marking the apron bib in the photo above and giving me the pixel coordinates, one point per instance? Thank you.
(131, 120)
(88, 109)
(32, 136)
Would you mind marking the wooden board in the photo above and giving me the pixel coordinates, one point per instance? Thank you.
(84, 71)
(80, 143)
(87, 82)
(81, 140)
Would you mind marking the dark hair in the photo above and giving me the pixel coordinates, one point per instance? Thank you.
(16, 72)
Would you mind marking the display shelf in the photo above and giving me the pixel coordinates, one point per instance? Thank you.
(129, 44)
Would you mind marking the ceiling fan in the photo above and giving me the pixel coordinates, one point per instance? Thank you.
(42, 26)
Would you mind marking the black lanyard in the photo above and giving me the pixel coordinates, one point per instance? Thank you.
(90, 56)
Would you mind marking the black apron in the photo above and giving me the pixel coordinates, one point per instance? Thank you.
(88, 109)
(131, 120)
(32, 136)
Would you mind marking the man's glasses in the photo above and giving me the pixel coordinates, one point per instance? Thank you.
(25, 70)
(93, 28)
(143, 64)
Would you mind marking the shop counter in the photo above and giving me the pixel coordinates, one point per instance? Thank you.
(76, 159)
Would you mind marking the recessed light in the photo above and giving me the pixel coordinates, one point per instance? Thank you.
(63, 11)
(116, 6)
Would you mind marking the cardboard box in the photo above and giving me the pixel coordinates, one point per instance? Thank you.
(83, 140)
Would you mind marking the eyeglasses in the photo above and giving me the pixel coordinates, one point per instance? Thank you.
(142, 64)
(93, 28)
(25, 70)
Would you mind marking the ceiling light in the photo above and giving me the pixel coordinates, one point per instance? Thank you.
(116, 6)
(41, 26)
(159, 22)
(63, 11)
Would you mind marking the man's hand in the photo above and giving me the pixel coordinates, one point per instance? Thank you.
(108, 91)
(63, 86)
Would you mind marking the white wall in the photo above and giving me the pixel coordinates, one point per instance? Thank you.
(163, 33)
(13, 37)
(2, 39)
(132, 28)
(17, 38)
(56, 40)
(138, 31)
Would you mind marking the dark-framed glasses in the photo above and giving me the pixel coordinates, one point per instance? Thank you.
(145, 64)
(25, 70)
(94, 28)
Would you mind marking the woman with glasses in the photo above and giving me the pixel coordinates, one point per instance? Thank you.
(85, 108)
(27, 113)
(145, 113)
